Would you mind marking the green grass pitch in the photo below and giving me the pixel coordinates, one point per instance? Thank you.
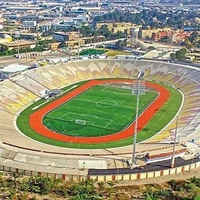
(92, 52)
(99, 111)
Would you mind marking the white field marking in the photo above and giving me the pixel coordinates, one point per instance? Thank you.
(89, 115)
(87, 122)
(105, 87)
(141, 112)
(91, 123)
(117, 87)
(60, 118)
(107, 103)
(122, 93)
(119, 92)
(100, 126)
(108, 123)
(63, 115)
(97, 101)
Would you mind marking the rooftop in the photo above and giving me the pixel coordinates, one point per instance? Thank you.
(21, 42)
(14, 68)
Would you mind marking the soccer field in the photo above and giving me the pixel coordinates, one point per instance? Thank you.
(101, 110)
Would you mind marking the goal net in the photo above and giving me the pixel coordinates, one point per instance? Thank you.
(80, 121)
(126, 87)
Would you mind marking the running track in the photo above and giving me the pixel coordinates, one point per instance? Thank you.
(36, 124)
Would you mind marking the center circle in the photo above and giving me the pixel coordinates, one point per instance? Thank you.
(106, 103)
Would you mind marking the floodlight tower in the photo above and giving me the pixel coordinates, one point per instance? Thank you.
(17, 35)
(138, 89)
(174, 145)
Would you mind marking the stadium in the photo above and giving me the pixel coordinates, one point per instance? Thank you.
(66, 119)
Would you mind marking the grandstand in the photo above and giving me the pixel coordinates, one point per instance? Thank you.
(21, 90)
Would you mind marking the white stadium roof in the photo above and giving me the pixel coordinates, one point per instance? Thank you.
(14, 68)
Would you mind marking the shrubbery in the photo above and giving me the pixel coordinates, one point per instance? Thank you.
(15, 186)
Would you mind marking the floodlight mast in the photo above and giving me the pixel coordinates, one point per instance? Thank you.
(136, 127)
(174, 145)
(17, 35)
(140, 76)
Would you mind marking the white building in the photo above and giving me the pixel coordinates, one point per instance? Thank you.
(30, 24)
(12, 70)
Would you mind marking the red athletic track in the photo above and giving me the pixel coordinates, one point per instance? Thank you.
(37, 125)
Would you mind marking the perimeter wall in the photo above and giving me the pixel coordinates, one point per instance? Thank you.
(117, 177)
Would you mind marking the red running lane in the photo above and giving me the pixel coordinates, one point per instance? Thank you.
(37, 125)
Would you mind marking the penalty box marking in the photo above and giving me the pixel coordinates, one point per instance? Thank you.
(109, 121)
(119, 90)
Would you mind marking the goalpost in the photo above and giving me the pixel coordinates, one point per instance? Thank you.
(80, 121)
(127, 87)
(84, 122)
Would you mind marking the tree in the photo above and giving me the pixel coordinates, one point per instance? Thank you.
(83, 190)
(193, 37)
(150, 48)
(187, 42)
(165, 39)
(172, 56)
(86, 30)
(14, 177)
(121, 43)
(38, 184)
(180, 54)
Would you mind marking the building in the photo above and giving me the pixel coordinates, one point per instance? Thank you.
(23, 35)
(2, 20)
(29, 24)
(148, 32)
(53, 46)
(174, 35)
(22, 44)
(73, 44)
(180, 37)
(62, 23)
(45, 25)
(69, 36)
(156, 36)
(12, 70)
(5, 38)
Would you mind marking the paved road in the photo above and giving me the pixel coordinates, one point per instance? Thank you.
(6, 60)
(148, 168)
